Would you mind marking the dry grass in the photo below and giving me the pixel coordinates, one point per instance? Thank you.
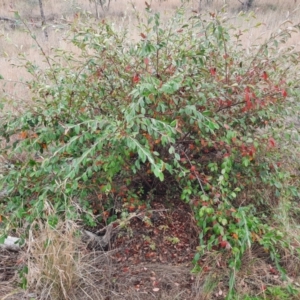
(254, 275)
(61, 268)
(8, 276)
(60, 14)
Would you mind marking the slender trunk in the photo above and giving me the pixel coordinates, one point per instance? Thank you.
(43, 18)
(96, 8)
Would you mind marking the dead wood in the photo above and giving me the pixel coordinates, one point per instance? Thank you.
(95, 241)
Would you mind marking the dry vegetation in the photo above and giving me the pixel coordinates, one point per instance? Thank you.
(66, 269)
(61, 14)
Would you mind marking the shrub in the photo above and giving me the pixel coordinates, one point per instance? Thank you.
(186, 110)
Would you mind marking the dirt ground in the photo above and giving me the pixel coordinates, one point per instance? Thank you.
(151, 258)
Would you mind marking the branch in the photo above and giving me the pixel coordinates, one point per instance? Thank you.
(98, 241)
(7, 19)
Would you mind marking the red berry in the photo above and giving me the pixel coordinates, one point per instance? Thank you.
(193, 169)
(223, 244)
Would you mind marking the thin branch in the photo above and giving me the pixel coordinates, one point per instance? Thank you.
(198, 179)
(40, 47)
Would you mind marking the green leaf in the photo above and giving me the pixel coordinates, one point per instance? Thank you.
(224, 222)
(196, 257)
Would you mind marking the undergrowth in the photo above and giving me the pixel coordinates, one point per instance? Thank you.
(186, 111)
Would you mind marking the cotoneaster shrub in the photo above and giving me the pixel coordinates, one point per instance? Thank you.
(186, 111)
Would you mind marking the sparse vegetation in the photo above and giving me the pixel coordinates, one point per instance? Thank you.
(117, 131)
